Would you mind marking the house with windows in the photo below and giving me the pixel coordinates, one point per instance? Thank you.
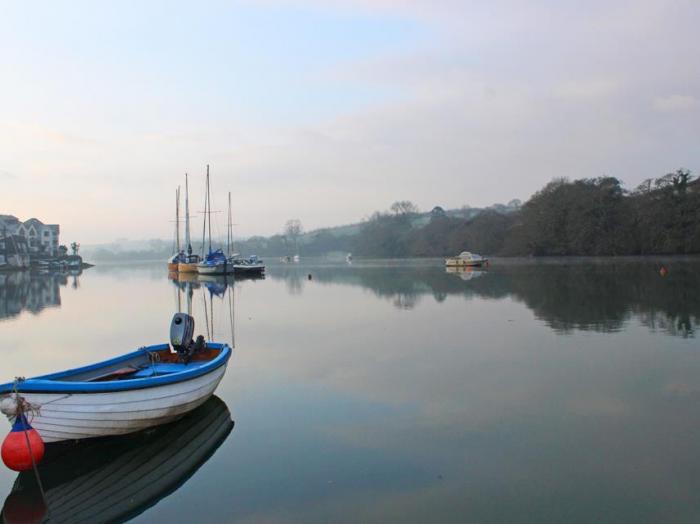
(41, 239)
(14, 252)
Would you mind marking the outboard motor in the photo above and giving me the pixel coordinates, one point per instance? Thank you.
(181, 332)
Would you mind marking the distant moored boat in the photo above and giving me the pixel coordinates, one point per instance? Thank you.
(466, 259)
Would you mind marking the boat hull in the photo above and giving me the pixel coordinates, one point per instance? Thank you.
(172, 266)
(244, 269)
(184, 267)
(115, 479)
(218, 269)
(464, 263)
(72, 416)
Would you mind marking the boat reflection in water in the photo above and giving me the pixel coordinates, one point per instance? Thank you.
(193, 280)
(465, 272)
(114, 479)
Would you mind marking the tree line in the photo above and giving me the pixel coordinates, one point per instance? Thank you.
(592, 216)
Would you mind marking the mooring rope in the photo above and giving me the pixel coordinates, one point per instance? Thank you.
(21, 403)
(153, 357)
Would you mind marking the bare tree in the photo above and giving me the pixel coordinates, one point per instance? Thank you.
(404, 207)
(292, 231)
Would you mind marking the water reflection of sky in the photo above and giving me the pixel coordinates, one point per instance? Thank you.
(468, 405)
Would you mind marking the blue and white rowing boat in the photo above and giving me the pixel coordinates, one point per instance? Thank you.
(148, 387)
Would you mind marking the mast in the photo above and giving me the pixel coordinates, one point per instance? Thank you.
(209, 208)
(229, 238)
(231, 298)
(177, 219)
(204, 226)
(188, 242)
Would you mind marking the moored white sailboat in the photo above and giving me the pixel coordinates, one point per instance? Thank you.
(214, 262)
(189, 264)
(178, 256)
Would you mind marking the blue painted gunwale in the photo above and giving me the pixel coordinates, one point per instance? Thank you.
(52, 383)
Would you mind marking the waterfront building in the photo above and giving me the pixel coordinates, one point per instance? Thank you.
(14, 252)
(42, 239)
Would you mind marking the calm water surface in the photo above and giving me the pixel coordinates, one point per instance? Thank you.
(380, 392)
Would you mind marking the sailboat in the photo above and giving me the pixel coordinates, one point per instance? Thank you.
(178, 256)
(215, 262)
(189, 264)
(222, 266)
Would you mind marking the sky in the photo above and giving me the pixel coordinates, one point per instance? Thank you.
(327, 111)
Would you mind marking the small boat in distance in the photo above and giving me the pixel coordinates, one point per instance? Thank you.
(148, 387)
(466, 259)
(248, 266)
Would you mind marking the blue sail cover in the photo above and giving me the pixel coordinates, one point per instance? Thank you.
(214, 258)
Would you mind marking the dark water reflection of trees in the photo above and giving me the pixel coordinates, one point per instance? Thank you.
(588, 295)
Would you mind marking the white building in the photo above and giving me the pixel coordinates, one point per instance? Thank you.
(42, 239)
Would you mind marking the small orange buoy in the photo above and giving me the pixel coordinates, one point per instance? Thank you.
(663, 271)
(23, 446)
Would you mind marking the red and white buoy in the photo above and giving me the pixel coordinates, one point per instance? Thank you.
(23, 447)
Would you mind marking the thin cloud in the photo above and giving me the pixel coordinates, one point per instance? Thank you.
(673, 103)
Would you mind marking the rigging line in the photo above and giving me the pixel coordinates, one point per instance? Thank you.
(206, 316)
(209, 201)
(204, 222)
(179, 298)
(230, 300)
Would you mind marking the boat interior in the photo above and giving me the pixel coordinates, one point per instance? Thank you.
(147, 363)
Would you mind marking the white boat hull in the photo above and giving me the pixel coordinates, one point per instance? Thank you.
(220, 269)
(464, 263)
(69, 416)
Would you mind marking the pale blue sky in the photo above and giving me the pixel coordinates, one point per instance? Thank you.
(327, 111)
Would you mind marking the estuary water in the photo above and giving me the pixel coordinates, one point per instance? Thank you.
(535, 391)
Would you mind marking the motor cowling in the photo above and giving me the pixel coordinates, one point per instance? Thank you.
(181, 332)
